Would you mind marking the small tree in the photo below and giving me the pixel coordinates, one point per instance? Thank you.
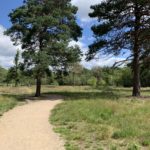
(76, 70)
(16, 68)
(3, 74)
(97, 73)
(14, 72)
(92, 81)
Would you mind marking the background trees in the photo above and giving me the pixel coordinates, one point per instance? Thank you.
(14, 72)
(3, 74)
(123, 28)
(118, 77)
(44, 29)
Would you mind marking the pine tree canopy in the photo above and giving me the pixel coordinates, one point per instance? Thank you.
(123, 28)
(42, 25)
(119, 21)
(44, 28)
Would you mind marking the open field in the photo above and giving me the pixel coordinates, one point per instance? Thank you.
(106, 119)
(94, 119)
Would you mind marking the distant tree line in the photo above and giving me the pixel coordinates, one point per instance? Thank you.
(77, 75)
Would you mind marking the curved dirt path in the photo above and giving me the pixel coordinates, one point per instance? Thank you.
(27, 127)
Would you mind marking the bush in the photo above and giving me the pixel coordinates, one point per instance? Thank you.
(102, 82)
(92, 81)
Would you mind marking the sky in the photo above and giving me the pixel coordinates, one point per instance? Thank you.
(8, 50)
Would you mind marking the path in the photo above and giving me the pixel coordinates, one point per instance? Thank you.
(27, 127)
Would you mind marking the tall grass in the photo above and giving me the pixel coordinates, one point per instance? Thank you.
(103, 119)
(6, 103)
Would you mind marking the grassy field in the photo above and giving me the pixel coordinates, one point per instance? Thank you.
(8, 102)
(93, 119)
(103, 119)
(12, 96)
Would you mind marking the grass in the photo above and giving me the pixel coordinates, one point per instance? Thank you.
(7, 103)
(12, 96)
(103, 119)
(93, 119)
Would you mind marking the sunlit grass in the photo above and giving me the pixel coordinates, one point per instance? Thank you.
(103, 119)
(6, 103)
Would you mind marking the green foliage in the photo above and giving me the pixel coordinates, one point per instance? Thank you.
(3, 73)
(82, 76)
(122, 28)
(133, 147)
(121, 21)
(145, 72)
(92, 81)
(103, 76)
(127, 77)
(45, 38)
(102, 82)
(113, 148)
(6, 103)
(145, 142)
(14, 72)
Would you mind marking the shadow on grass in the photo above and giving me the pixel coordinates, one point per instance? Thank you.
(87, 95)
(19, 98)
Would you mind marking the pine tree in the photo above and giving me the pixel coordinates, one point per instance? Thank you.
(124, 27)
(42, 27)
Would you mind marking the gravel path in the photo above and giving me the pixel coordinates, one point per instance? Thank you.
(27, 127)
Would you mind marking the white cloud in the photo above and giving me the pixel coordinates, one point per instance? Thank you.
(84, 8)
(7, 49)
(82, 46)
(83, 14)
(6, 61)
(101, 61)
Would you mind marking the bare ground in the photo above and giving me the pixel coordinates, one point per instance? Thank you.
(27, 127)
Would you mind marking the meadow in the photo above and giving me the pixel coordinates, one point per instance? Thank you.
(106, 118)
(103, 119)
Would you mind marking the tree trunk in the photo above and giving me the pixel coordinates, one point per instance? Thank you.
(73, 79)
(136, 76)
(136, 52)
(38, 87)
(16, 83)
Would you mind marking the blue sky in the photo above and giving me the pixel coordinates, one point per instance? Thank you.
(7, 50)
(5, 7)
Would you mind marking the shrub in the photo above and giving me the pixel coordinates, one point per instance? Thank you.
(92, 81)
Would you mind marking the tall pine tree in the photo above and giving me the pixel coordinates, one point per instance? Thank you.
(44, 29)
(124, 27)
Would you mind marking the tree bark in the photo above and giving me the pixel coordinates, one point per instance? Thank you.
(38, 87)
(136, 76)
(16, 83)
(136, 52)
